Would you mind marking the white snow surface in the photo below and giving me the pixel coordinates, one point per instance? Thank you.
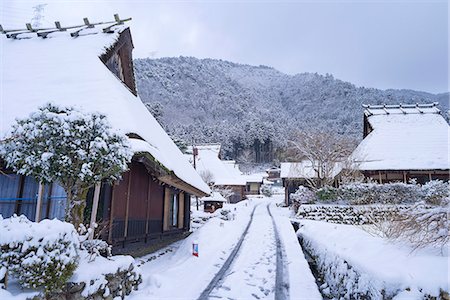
(303, 169)
(67, 71)
(215, 196)
(224, 172)
(180, 275)
(411, 141)
(391, 266)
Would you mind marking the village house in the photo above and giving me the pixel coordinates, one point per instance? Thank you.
(295, 174)
(274, 175)
(403, 142)
(213, 202)
(254, 183)
(91, 67)
(219, 173)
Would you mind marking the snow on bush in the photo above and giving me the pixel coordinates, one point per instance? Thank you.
(359, 193)
(40, 255)
(390, 193)
(436, 191)
(266, 190)
(302, 195)
(64, 145)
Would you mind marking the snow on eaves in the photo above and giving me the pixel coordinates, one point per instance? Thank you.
(405, 141)
(67, 71)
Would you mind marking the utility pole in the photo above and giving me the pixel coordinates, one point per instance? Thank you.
(195, 153)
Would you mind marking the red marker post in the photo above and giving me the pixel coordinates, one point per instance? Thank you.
(195, 248)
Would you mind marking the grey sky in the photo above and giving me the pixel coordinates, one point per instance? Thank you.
(382, 44)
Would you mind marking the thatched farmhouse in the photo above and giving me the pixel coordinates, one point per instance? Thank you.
(403, 142)
(91, 67)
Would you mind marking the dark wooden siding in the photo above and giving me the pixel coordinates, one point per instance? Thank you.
(156, 209)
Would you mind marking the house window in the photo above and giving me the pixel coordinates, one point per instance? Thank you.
(18, 195)
(175, 198)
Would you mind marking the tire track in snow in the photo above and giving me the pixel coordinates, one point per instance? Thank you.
(281, 275)
(223, 270)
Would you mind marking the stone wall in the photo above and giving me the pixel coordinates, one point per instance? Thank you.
(119, 284)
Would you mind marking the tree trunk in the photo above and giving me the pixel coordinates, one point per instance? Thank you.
(76, 202)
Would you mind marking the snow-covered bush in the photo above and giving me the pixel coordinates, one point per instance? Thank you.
(369, 193)
(40, 255)
(436, 191)
(64, 145)
(302, 195)
(327, 193)
(266, 190)
(96, 248)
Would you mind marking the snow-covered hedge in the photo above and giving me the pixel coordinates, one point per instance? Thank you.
(349, 214)
(40, 255)
(359, 193)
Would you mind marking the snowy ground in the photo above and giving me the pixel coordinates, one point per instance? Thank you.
(364, 263)
(179, 275)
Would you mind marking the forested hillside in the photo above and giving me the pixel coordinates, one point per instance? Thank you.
(253, 110)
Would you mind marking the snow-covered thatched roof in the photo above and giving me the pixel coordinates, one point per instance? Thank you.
(304, 170)
(404, 137)
(297, 170)
(223, 172)
(255, 177)
(67, 70)
(215, 196)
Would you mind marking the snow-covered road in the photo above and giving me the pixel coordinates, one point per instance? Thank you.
(252, 269)
(252, 274)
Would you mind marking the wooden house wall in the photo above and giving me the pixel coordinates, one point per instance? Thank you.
(253, 188)
(421, 176)
(141, 208)
(238, 193)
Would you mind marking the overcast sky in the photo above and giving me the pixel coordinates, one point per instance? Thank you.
(382, 44)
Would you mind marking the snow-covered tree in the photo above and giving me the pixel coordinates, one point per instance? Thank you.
(325, 151)
(65, 145)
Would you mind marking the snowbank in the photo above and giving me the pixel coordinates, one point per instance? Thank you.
(357, 263)
(302, 284)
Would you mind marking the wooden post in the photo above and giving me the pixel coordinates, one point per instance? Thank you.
(181, 210)
(379, 175)
(94, 209)
(404, 177)
(127, 210)
(39, 202)
(111, 214)
(147, 217)
(429, 174)
(166, 209)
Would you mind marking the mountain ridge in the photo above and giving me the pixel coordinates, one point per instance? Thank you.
(245, 106)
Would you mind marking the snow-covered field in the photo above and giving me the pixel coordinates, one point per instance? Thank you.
(355, 261)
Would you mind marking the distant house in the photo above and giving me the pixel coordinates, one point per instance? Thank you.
(295, 174)
(219, 173)
(274, 175)
(213, 202)
(254, 183)
(402, 142)
(91, 67)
